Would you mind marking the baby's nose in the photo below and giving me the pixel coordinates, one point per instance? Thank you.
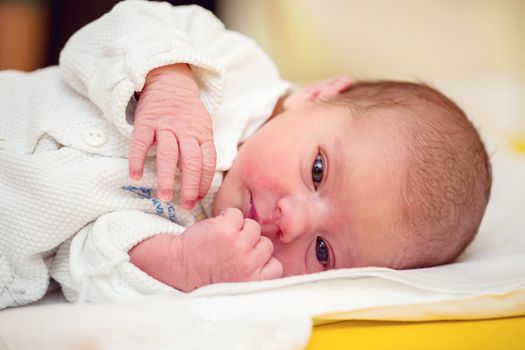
(294, 218)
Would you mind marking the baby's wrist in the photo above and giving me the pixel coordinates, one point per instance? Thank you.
(161, 257)
(180, 67)
(177, 263)
(175, 79)
(180, 276)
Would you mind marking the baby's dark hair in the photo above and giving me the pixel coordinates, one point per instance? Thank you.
(447, 179)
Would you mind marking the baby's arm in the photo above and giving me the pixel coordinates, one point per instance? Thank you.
(149, 47)
(94, 265)
(227, 248)
(109, 59)
(128, 254)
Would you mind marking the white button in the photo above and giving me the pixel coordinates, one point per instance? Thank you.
(94, 137)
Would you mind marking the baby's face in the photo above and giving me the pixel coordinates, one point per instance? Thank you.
(324, 188)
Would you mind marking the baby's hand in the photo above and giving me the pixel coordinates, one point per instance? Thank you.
(227, 248)
(171, 114)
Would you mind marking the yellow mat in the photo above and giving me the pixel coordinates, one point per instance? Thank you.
(504, 333)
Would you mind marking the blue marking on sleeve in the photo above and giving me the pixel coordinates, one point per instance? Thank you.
(158, 206)
(146, 192)
(171, 212)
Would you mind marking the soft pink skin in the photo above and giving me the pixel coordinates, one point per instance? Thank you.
(171, 115)
(225, 248)
(354, 209)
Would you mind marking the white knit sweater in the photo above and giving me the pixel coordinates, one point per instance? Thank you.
(67, 206)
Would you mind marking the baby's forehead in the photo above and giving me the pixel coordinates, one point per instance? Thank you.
(372, 164)
(429, 148)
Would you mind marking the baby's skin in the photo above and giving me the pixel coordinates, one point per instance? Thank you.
(231, 246)
(171, 115)
(225, 248)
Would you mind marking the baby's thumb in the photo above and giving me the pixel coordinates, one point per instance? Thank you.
(272, 269)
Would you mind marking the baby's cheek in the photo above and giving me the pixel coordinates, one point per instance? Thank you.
(261, 176)
(267, 184)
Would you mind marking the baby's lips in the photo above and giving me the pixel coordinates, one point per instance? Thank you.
(251, 211)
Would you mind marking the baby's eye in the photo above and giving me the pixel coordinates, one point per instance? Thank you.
(317, 170)
(321, 251)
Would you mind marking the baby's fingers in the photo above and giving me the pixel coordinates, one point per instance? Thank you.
(142, 140)
(209, 159)
(167, 156)
(191, 167)
(262, 251)
(251, 231)
(273, 269)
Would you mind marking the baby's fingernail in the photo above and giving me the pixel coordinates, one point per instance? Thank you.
(189, 204)
(166, 195)
(136, 174)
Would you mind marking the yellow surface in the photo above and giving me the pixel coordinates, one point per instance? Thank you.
(518, 143)
(504, 333)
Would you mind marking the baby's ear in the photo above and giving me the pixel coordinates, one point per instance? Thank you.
(322, 90)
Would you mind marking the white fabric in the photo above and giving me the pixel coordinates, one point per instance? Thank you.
(487, 281)
(65, 137)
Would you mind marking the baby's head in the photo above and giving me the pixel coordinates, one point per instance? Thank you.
(381, 174)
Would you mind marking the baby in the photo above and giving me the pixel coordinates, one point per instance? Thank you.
(280, 183)
(384, 174)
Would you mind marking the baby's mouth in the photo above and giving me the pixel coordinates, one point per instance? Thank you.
(269, 230)
(250, 212)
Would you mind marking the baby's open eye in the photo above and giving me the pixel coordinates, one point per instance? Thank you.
(317, 170)
(321, 251)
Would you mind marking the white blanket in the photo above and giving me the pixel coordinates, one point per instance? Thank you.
(488, 280)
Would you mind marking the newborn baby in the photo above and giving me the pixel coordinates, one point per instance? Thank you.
(387, 174)
(279, 183)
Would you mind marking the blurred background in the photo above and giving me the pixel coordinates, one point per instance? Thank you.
(32, 32)
(311, 39)
(474, 50)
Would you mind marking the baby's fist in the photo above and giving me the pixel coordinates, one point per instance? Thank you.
(228, 248)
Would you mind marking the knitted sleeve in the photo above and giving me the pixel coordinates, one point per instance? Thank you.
(94, 265)
(108, 60)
